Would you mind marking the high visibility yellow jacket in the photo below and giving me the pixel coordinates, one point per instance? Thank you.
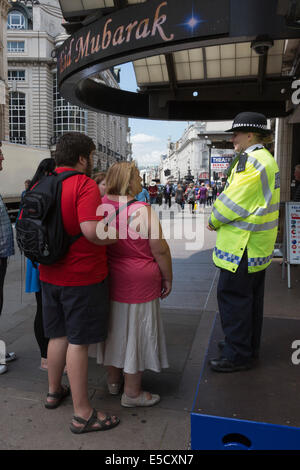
(245, 214)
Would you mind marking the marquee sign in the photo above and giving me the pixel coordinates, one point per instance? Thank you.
(162, 27)
(220, 163)
(142, 27)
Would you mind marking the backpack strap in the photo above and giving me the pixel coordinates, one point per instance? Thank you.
(120, 209)
(62, 177)
(66, 174)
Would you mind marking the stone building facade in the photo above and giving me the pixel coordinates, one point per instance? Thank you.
(4, 7)
(190, 155)
(38, 114)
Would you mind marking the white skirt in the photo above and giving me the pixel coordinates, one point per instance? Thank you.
(136, 339)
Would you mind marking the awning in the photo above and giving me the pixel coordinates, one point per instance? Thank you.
(193, 60)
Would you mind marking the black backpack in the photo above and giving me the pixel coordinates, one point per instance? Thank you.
(40, 232)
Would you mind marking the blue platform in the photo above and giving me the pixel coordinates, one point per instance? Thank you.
(256, 409)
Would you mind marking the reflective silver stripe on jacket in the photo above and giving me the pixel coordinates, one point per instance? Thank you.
(233, 206)
(264, 178)
(267, 210)
(251, 227)
(255, 227)
(220, 217)
(239, 210)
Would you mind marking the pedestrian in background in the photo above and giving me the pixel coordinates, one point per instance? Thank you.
(168, 194)
(214, 192)
(153, 192)
(6, 250)
(33, 285)
(179, 196)
(202, 195)
(100, 180)
(143, 196)
(191, 197)
(209, 195)
(32, 279)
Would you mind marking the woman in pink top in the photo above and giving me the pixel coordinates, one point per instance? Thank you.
(140, 270)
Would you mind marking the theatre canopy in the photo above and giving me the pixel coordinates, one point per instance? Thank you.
(193, 59)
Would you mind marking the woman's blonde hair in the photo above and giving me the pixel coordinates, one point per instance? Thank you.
(119, 178)
(265, 139)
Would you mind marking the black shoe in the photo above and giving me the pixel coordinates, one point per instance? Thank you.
(221, 345)
(222, 364)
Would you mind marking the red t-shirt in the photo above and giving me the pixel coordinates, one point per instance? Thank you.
(153, 190)
(85, 263)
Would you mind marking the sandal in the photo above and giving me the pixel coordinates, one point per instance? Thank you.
(58, 398)
(88, 424)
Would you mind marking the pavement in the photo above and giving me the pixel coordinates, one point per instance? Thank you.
(188, 315)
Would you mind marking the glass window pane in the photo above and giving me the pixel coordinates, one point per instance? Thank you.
(17, 117)
(16, 20)
(66, 117)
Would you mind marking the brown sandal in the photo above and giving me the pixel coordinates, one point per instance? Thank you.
(58, 397)
(88, 424)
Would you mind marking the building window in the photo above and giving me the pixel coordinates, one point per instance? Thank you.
(15, 46)
(16, 75)
(17, 117)
(16, 20)
(66, 116)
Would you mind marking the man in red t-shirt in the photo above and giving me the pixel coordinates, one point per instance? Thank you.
(74, 289)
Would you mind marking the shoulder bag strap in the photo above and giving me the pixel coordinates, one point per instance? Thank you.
(120, 209)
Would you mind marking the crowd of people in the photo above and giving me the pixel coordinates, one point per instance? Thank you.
(194, 194)
(102, 299)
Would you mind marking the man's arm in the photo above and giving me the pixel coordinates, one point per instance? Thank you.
(99, 233)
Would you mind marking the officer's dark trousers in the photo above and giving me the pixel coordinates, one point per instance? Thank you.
(241, 299)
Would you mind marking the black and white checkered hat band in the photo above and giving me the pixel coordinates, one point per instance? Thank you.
(261, 126)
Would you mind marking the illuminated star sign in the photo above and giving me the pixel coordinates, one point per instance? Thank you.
(192, 22)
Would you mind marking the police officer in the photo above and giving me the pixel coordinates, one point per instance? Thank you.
(245, 217)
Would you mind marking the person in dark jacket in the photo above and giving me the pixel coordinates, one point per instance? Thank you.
(179, 196)
(168, 194)
(6, 250)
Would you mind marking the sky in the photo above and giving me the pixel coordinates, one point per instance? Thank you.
(149, 138)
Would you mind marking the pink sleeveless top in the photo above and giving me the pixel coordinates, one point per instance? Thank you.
(134, 275)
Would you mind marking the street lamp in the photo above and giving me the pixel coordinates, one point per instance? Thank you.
(209, 145)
